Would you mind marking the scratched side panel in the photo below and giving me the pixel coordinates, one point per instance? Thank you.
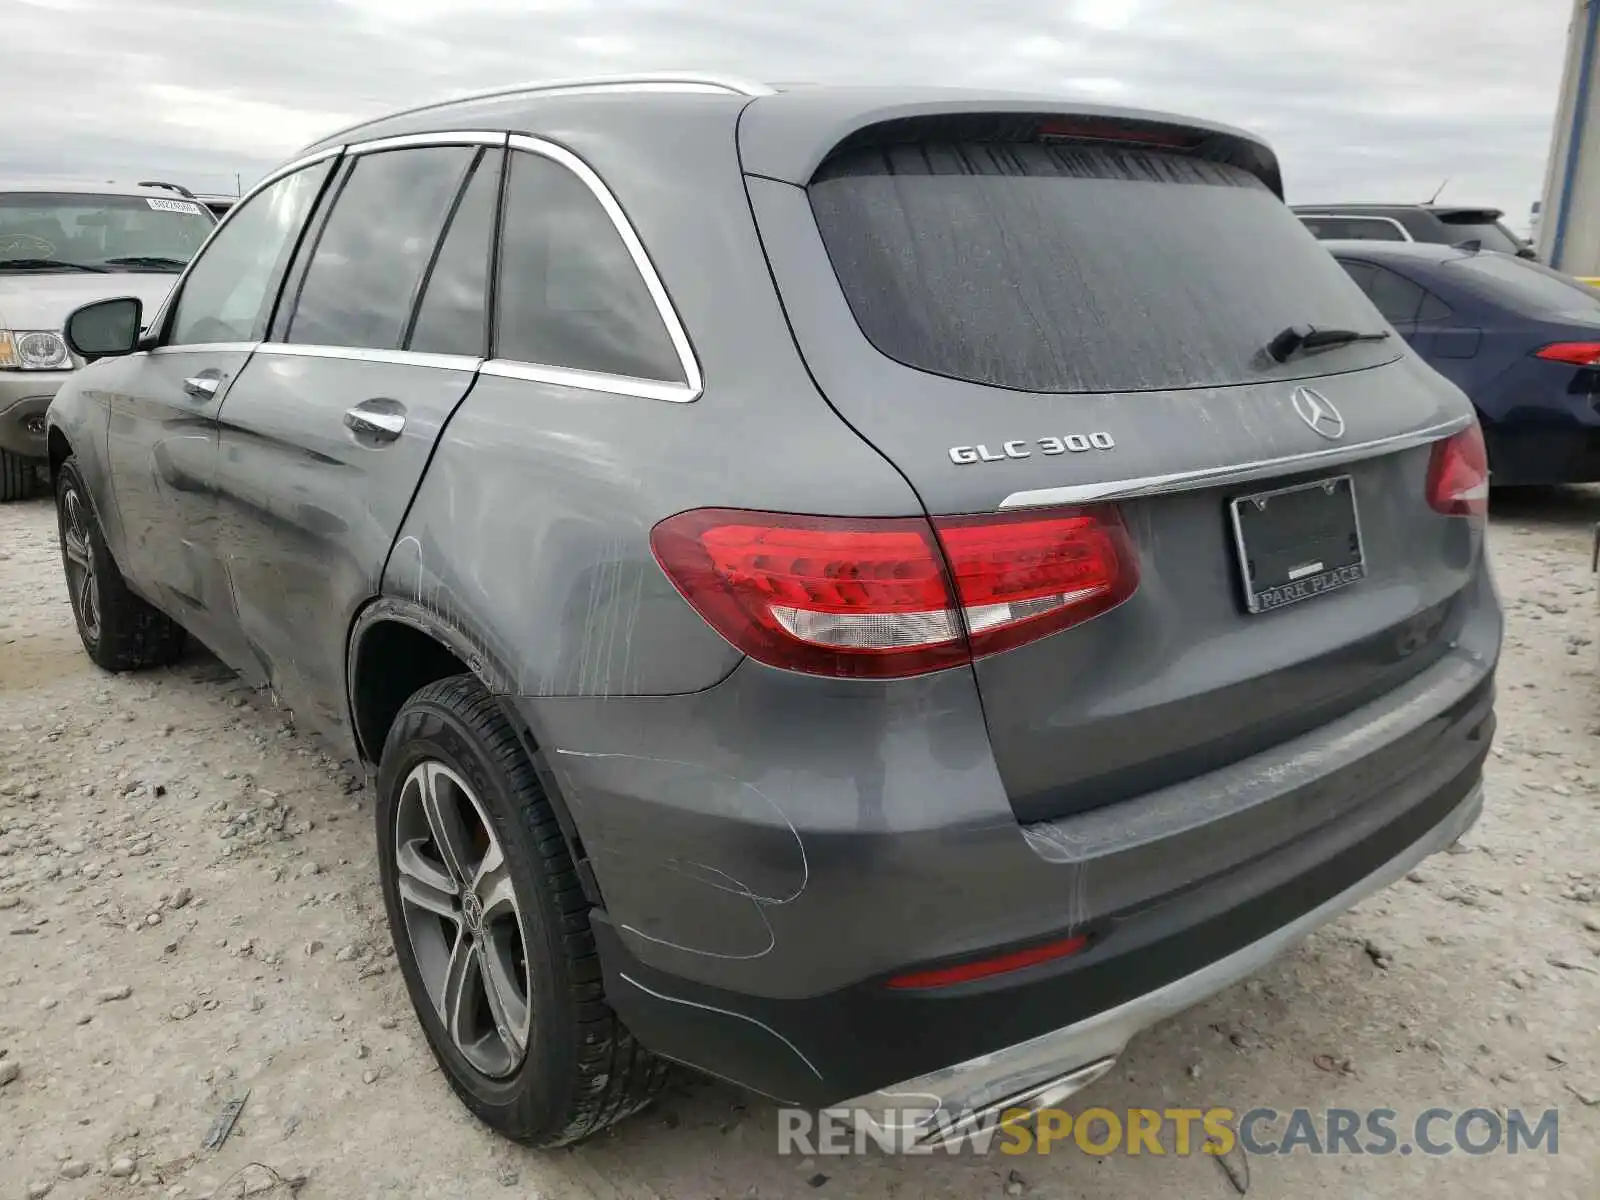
(531, 530)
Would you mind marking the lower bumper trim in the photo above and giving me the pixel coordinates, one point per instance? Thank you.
(940, 1106)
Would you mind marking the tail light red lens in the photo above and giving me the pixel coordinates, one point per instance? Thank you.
(1577, 354)
(1458, 475)
(862, 597)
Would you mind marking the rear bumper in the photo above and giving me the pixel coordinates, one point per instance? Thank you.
(24, 397)
(767, 854)
(1048, 1068)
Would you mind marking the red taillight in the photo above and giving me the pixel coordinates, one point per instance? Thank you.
(985, 967)
(1577, 354)
(867, 597)
(1458, 474)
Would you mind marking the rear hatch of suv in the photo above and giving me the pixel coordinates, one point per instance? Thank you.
(1062, 325)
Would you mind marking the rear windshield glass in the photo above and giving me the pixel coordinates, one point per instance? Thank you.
(1492, 234)
(1052, 268)
(1526, 287)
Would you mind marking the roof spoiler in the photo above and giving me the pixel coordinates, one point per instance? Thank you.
(789, 135)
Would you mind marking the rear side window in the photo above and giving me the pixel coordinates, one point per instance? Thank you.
(1051, 268)
(379, 238)
(453, 316)
(569, 292)
(1526, 287)
(1367, 229)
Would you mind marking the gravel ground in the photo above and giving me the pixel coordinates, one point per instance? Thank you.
(188, 911)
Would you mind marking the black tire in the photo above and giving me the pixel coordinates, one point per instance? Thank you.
(582, 1070)
(18, 475)
(120, 631)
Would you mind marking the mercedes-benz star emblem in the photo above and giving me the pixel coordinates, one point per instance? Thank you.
(1317, 411)
(472, 911)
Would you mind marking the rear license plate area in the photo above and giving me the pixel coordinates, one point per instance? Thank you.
(1297, 542)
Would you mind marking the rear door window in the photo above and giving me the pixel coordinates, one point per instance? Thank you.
(453, 314)
(1055, 268)
(378, 241)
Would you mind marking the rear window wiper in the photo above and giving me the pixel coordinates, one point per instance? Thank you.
(46, 264)
(155, 261)
(1302, 339)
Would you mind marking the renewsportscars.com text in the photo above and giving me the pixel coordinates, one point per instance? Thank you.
(1178, 1131)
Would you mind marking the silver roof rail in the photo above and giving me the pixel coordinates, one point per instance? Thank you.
(665, 80)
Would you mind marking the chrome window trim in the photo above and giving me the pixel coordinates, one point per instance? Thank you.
(1188, 481)
(399, 358)
(692, 382)
(208, 347)
(1405, 234)
(408, 141)
(646, 81)
(590, 381)
(266, 181)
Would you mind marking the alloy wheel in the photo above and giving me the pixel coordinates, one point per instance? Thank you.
(79, 552)
(462, 918)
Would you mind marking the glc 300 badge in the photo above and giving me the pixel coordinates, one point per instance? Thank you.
(1072, 443)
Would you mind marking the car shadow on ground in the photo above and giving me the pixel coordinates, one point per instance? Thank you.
(1569, 505)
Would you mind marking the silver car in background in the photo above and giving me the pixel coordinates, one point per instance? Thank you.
(62, 245)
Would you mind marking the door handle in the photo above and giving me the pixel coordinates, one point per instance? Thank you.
(381, 424)
(203, 386)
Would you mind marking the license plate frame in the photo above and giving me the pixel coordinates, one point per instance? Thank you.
(1278, 571)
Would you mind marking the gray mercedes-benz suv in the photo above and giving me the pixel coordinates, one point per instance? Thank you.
(876, 594)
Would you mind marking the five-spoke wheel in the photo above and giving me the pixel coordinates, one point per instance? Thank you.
(462, 918)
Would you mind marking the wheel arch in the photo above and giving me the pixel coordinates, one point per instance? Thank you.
(397, 646)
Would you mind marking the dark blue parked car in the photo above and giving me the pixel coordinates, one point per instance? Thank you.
(1521, 340)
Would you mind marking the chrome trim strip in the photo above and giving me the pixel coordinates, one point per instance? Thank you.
(1338, 216)
(1188, 481)
(590, 381)
(641, 260)
(632, 82)
(207, 347)
(977, 1083)
(448, 137)
(400, 358)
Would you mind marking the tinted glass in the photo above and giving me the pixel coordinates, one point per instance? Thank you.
(380, 237)
(123, 233)
(1526, 287)
(1492, 234)
(453, 317)
(1433, 308)
(1063, 269)
(1397, 298)
(570, 294)
(229, 293)
(1367, 229)
(1362, 273)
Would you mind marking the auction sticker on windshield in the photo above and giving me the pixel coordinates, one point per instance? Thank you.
(177, 206)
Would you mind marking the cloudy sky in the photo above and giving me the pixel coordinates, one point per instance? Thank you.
(1364, 99)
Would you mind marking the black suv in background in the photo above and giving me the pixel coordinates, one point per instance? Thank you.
(1446, 224)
